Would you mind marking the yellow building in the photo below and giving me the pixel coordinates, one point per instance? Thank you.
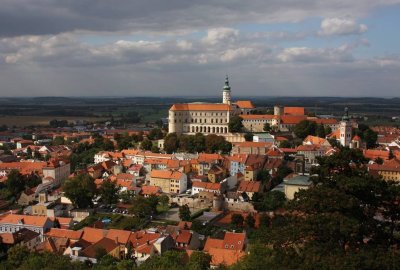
(169, 181)
(390, 170)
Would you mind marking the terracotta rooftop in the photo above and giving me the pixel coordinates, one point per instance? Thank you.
(294, 110)
(245, 104)
(200, 107)
(166, 174)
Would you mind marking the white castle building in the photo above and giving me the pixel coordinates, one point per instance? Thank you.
(207, 118)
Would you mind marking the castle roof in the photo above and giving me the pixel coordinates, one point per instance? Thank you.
(200, 107)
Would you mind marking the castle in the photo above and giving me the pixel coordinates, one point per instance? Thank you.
(207, 118)
(213, 118)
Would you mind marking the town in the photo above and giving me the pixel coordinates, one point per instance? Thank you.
(205, 186)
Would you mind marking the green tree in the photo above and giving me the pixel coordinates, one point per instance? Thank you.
(199, 261)
(29, 152)
(272, 201)
(80, 190)
(250, 221)
(16, 255)
(127, 196)
(142, 207)
(235, 124)
(285, 144)
(146, 144)
(248, 137)
(58, 140)
(370, 138)
(267, 127)
(171, 143)
(184, 212)
(15, 183)
(155, 134)
(237, 220)
(305, 128)
(321, 131)
(109, 191)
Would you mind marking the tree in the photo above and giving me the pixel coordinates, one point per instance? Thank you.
(159, 123)
(155, 134)
(29, 152)
(141, 207)
(80, 190)
(305, 128)
(263, 176)
(285, 144)
(15, 183)
(267, 127)
(184, 212)
(321, 131)
(109, 191)
(250, 221)
(171, 143)
(248, 137)
(155, 149)
(146, 144)
(370, 138)
(237, 220)
(272, 201)
(235, 124)
(58, 140)
(127, 196)
(199, 261)
(16, 255)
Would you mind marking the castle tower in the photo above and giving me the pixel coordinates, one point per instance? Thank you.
(345, 129)
(226, 93)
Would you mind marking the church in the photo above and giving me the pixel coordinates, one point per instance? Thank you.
(207, 118)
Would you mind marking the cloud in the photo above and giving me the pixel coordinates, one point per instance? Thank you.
(341, 26)
(44, 17)
(316, 55)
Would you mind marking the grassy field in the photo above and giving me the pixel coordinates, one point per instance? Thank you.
(23, 121)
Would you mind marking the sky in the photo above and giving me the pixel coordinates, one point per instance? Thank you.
(161, 48)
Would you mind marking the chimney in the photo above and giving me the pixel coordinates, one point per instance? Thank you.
(116, 240)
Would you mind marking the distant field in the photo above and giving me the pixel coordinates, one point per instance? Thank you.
(23, 121)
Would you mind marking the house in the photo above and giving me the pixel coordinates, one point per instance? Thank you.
(58, 170)
(216, 173)
(26, 197)
(111, 247)
(310, 153)
(315, 140)
(389, 170)
(184, 238)
(147, 191)
(226, 251)
(295, 183)
(23, 237)
(258, 148)
(250, 188)
(169, 181)
(13, 223)
(215, 188)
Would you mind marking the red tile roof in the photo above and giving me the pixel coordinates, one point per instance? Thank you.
(200, 107)
(63, 233)
(249, 186)
(294, 110)
(245, 104)
(38, 221)
(166, 174)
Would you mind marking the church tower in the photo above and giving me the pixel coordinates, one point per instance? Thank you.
(226, 93)
(345, 129)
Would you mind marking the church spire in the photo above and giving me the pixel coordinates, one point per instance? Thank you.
(226, 93)
(346, 114)
(226, 86)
